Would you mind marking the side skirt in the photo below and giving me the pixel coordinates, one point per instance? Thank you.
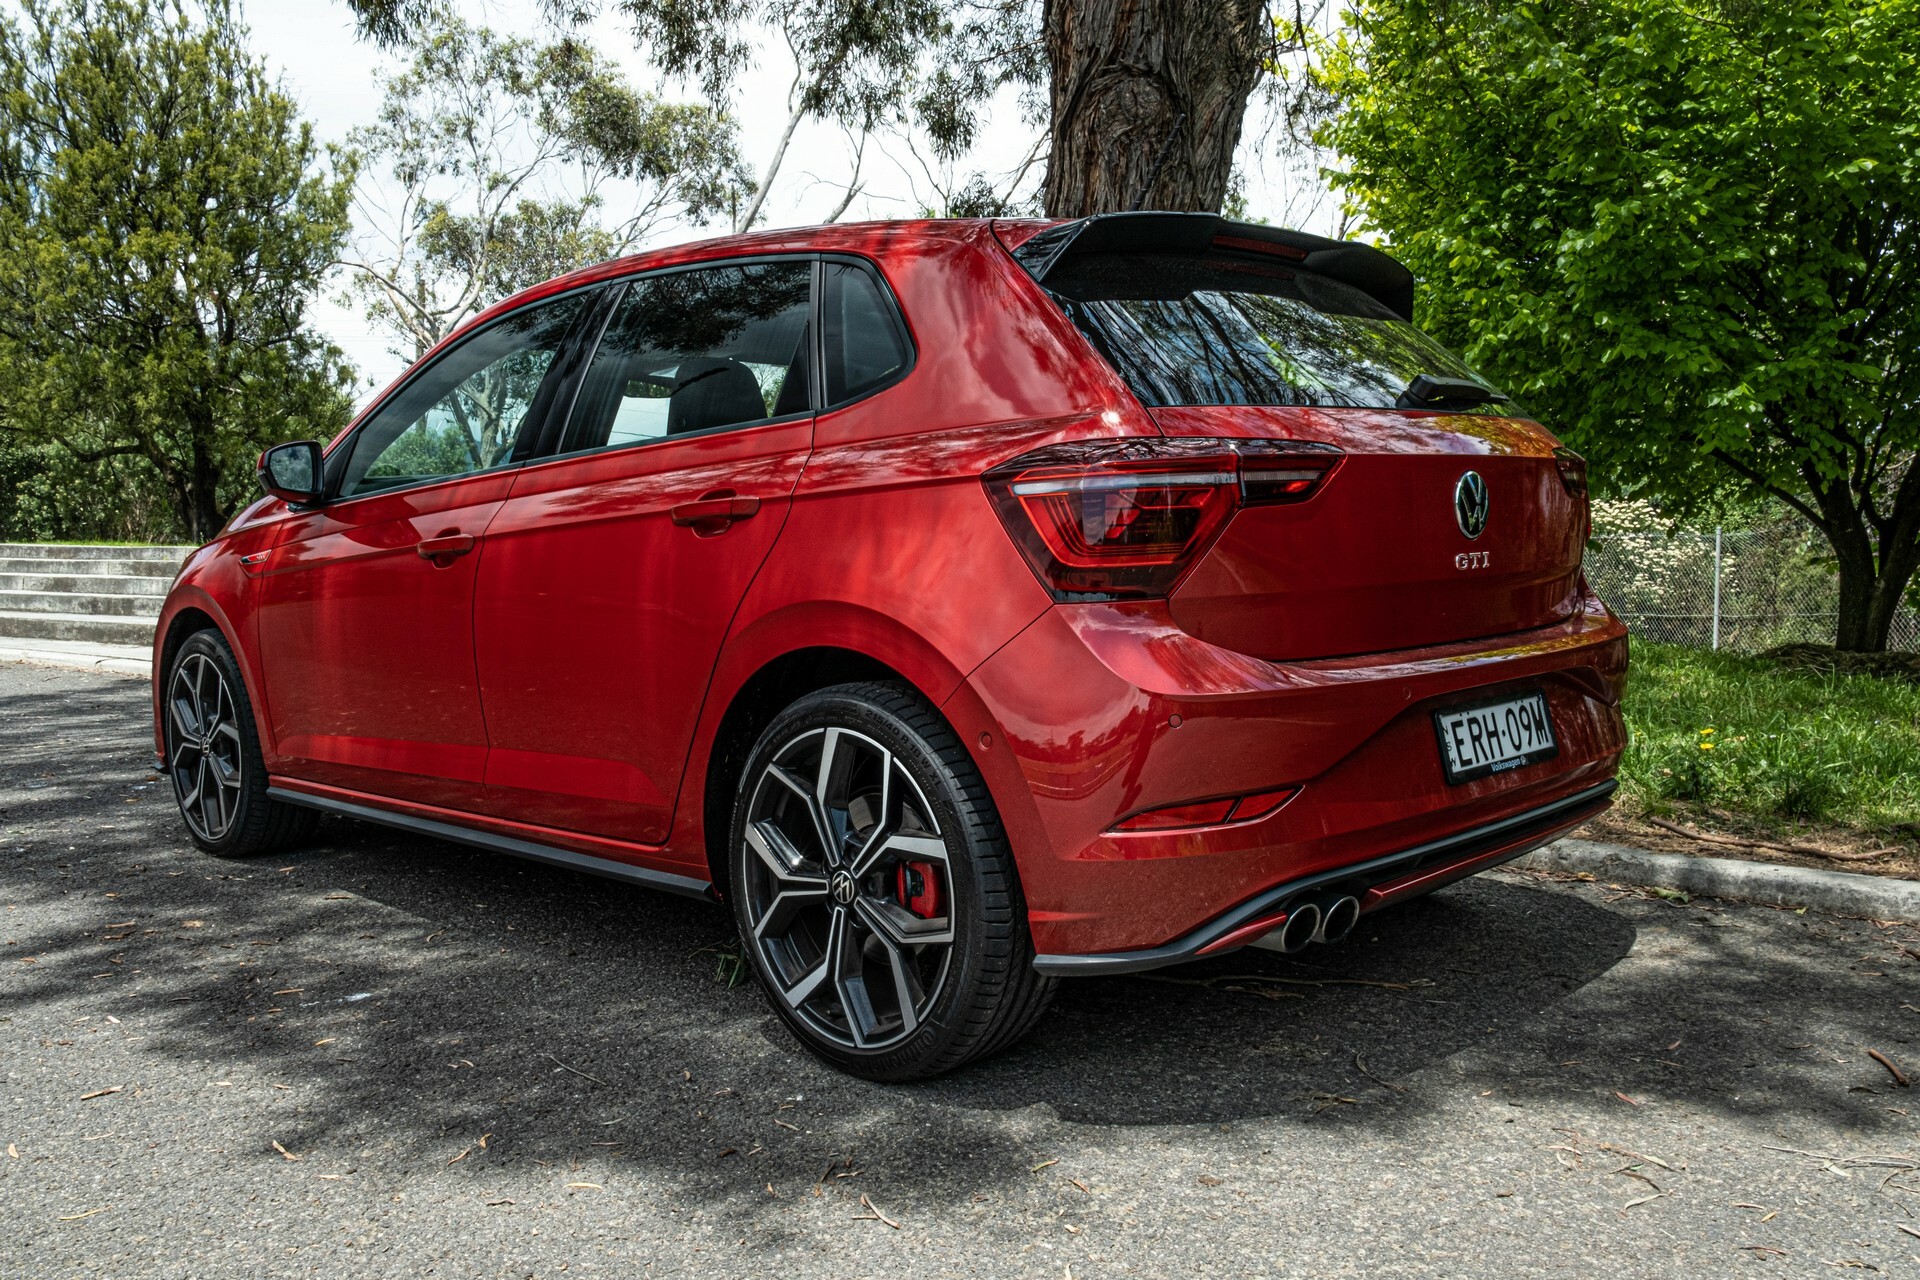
(497, 843)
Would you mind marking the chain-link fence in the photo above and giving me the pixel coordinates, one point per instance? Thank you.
(1746, 589)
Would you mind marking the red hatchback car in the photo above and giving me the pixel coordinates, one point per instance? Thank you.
(967, 604)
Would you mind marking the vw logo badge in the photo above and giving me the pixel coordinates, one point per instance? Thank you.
(842, 888)
(1470, 504)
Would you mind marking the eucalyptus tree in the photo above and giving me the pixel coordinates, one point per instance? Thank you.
(504, 162)
(1141, 101)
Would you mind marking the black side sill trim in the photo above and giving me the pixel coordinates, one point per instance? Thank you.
(1456, 847)
(502, 844)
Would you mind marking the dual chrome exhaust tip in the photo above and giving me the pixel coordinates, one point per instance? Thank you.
(1329, 918)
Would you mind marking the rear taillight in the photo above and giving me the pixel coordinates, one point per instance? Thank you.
(1573, 472)
(1124, 519)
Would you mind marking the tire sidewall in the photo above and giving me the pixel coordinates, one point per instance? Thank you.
(848, 710)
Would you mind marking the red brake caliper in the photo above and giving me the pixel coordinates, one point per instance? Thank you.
(917, 887)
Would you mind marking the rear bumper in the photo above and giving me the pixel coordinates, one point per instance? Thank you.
(1099, 711)
(1377, 882)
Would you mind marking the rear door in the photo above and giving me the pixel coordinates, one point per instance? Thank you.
(614, 569)
(366, 603)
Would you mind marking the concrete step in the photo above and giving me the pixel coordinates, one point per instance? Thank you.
(75, 551)
(77, 602)
(86, 583)
(160, 569)
(103, 628)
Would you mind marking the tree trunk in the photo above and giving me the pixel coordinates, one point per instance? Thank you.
(1873, 582)
(1123, 73)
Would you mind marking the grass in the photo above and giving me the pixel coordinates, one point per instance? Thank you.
(1749, 736)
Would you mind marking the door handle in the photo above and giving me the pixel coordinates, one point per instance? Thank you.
(714, 512)
(445, 547)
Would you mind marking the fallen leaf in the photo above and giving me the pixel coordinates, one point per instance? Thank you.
(75, 1217)
(13, 1152)
(284, 1153)
(587, 1186)
(1899, 1076)
(1634, 1204)
(101, 1093)
(1044, 1164)
(1624, 1098)
(1208, 1180)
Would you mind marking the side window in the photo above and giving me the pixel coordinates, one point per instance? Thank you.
(695, 350)
(463, 414)
(865, 346)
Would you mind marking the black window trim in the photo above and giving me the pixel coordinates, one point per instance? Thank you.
(555, 429)
(335, 464)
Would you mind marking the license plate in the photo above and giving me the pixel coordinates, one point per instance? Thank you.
(1494, 736)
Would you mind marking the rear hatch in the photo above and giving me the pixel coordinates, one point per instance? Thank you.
(1451, 517)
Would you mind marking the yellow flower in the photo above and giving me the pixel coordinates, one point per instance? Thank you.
(1706, 746)
(1706, 731)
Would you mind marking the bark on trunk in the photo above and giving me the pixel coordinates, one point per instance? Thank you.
(1123, 72)
(1874, 572)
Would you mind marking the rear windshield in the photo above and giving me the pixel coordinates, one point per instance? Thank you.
(1232, 329)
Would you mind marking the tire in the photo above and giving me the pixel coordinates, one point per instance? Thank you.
(213, 756)
(863, 835)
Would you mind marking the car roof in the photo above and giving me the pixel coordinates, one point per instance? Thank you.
(868, 239)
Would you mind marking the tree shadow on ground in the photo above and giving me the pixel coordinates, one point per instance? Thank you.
(416, 995)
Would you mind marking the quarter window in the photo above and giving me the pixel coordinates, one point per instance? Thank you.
(463, 414)
(698, 350)
(865, 347)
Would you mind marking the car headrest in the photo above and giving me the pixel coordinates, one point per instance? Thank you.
(709, 391)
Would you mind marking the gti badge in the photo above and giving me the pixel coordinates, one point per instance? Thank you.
(1470, 504)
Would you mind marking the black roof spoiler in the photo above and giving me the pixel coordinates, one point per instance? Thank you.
(1362, 266)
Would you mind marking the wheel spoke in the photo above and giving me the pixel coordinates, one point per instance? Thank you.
(906, 979)
(821, 829)
(908, 846)
(796, 887)
(850, 978)
(811, 981)
(183, 723)
(231, 732)
(899, 926)
(862, 862)
(192, 797)
(209, 800)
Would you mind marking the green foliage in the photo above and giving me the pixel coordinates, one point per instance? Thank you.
(1687, 233)
(472, 129)
(165, 218)
(1744, 734)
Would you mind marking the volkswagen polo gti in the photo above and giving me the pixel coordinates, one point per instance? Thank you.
(966, 604)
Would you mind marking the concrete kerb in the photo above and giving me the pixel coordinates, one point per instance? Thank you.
(1840, 892)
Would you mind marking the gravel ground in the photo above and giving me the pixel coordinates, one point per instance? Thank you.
(388, 1056)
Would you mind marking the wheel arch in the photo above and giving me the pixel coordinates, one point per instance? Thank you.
(775, 686)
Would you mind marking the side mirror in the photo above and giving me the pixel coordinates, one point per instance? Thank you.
(291, 472)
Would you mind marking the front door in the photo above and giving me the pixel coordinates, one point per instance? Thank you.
(614, 570)
(366, 614)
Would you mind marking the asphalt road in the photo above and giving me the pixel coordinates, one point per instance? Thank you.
(386, 1056)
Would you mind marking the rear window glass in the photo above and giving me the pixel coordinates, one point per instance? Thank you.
(1230, 330)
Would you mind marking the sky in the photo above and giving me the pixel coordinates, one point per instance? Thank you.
(331, 73)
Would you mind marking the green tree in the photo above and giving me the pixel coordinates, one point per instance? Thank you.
(1687, 233)
(165, 219)
(504, 157)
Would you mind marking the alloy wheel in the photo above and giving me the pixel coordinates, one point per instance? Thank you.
(204, 750)
(848, 888)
